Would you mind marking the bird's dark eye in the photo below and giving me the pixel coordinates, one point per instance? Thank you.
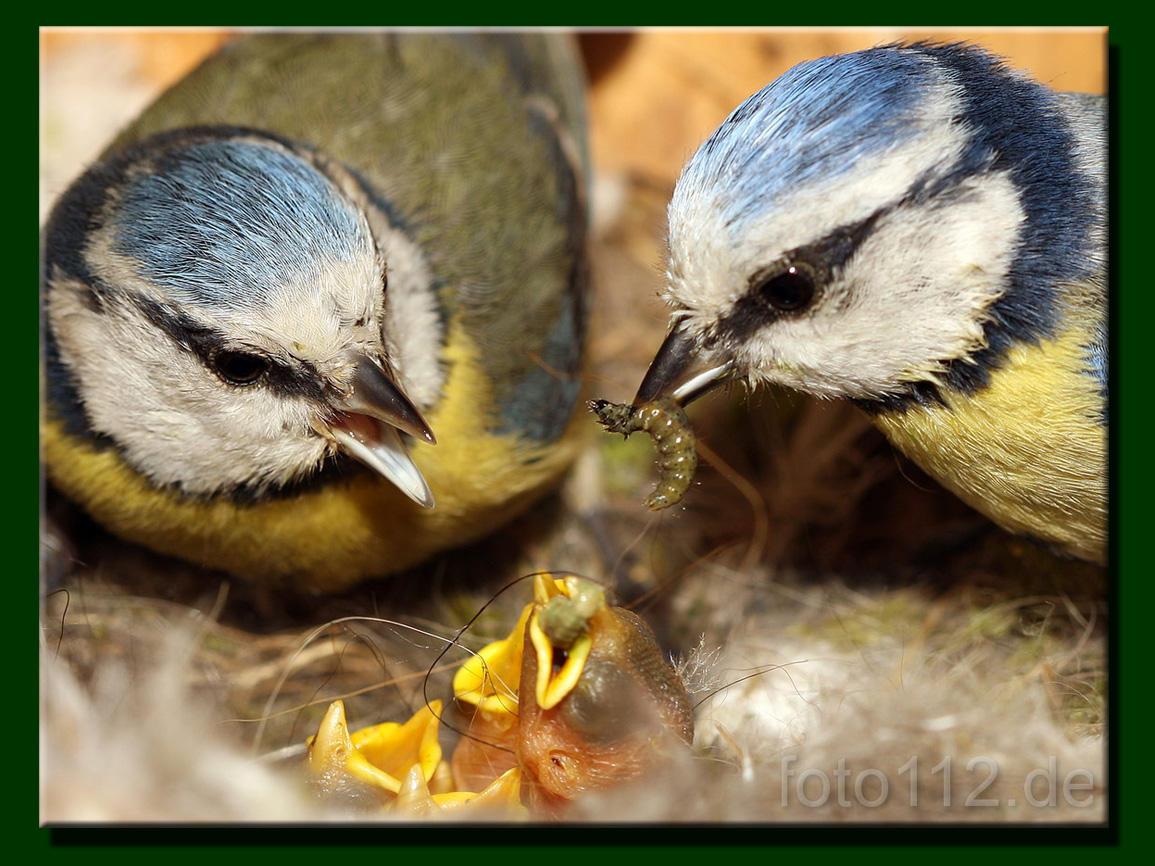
(789, 290)
(239, 368)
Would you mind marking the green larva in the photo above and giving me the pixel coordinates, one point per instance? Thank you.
(674, 442)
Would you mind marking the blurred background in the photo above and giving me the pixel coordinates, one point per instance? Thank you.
(805, 534)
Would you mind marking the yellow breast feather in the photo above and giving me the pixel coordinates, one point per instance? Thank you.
(1029, 450)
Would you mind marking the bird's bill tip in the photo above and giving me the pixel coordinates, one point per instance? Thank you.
(376, 394)
(672, 373)
(379, 446)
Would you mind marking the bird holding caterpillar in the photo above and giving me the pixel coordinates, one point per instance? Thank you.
(921, 230)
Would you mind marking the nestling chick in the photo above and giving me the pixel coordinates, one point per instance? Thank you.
(579, 698)
(308, 253)
(922, 230)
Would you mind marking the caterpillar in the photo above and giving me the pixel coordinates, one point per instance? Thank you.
(665, 420)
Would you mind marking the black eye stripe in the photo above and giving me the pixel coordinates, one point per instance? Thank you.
(298, 379)
(835, 249)
(818, 261)
(755, 309)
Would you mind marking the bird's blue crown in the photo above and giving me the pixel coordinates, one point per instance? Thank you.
(225, 221)
(814, 121)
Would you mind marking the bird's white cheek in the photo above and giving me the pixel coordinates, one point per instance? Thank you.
(794, 359)
(174, 420)
(913, 298)
(921, 287)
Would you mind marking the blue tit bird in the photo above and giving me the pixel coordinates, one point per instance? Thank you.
(320, 311)
(920, 229)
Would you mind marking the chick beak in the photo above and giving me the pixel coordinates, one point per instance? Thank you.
(369, 423)
(672, 373)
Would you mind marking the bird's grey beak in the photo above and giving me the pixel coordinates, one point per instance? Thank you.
(672, 373)
(367, 426)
